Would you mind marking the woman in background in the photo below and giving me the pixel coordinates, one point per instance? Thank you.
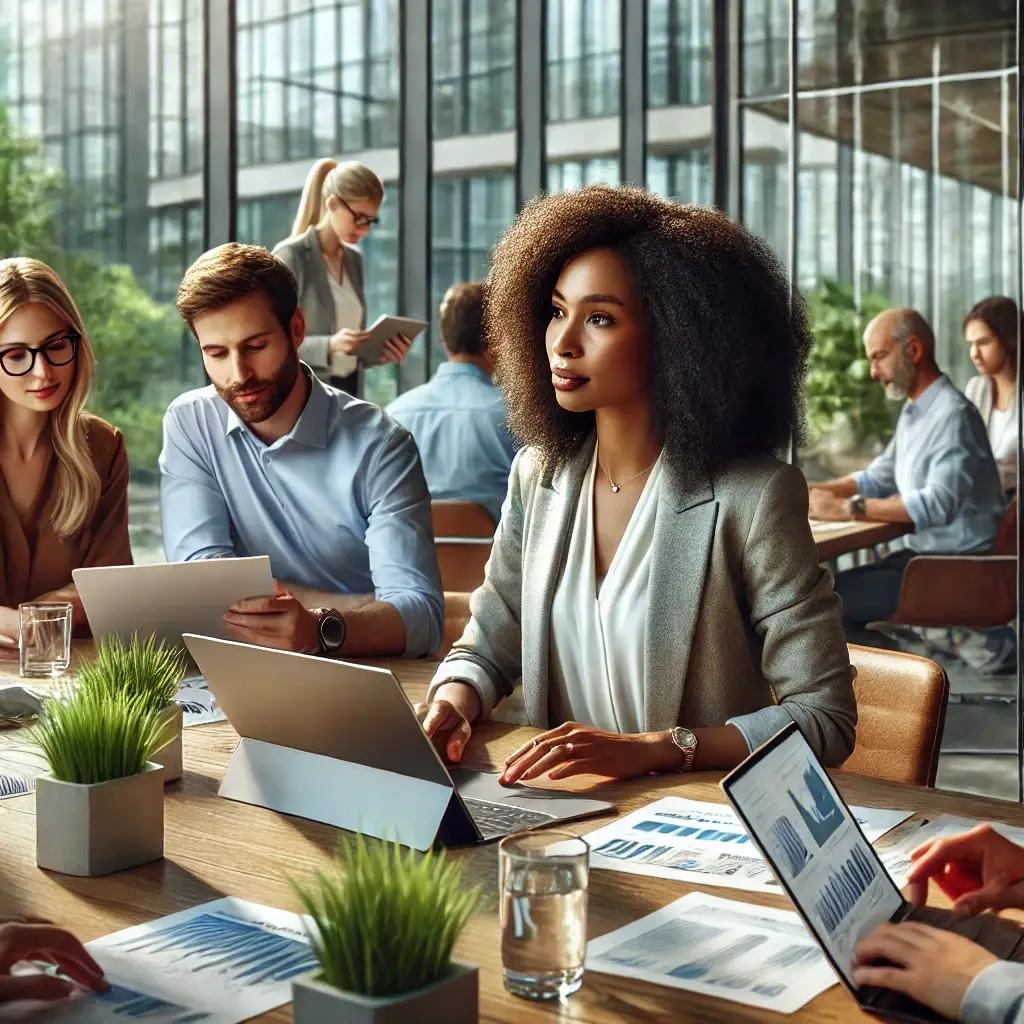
(990, 330)
(63, 472)
(338, 207)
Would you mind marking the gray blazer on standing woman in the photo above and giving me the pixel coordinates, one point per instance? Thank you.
(301, 255)
(740, 615)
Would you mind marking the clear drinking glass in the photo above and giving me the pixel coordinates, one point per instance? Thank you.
(543, 884)
(44, 639)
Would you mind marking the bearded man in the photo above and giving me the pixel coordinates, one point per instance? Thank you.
(268, 460)
(937, 473)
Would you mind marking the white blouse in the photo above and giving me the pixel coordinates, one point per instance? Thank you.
(348, 312)
(598, 630)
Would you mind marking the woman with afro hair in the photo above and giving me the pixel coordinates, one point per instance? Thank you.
(653, 582)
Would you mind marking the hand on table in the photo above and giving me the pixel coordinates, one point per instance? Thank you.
(932, 966)
(25, 941)
(281, 621)
(574, 749)
(826, 506)
(978, 870)
(10, 623)
(448, 718)
(396, 349)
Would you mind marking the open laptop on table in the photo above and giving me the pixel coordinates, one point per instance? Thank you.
(832, 874)
(340, 743)
(168, 599)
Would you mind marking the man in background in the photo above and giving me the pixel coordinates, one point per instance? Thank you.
(458, 418)
(937, 474)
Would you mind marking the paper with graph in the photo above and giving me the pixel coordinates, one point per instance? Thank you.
(701, 842)
(754, 955)
(21, 762)
(218, 963)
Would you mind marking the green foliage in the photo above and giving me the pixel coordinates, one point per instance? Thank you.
(386, 922)
(838, 374)
(138, 341)
(89, 736)
(147, 670)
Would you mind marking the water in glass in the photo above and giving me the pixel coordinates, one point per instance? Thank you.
(44, 639)
(544, 914)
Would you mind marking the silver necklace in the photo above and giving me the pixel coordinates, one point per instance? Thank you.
(618, 487)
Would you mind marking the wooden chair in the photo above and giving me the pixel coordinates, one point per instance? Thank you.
(901, 709)
(456, 616)
(463, 533)
(971, 591)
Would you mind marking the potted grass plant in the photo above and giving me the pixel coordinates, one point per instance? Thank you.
(383, 927)
(101, 807)
(149, 670)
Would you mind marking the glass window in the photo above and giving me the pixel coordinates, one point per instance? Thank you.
(583, 58)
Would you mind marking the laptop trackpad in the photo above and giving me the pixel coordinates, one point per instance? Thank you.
(474, 785)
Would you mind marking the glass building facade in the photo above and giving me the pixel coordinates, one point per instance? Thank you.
(885, 159)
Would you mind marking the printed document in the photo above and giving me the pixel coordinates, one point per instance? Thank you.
(755, 955)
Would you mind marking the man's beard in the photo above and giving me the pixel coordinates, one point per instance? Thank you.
(898, 388)
(278, 388)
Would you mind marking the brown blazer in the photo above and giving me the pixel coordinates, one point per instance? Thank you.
(33, 559)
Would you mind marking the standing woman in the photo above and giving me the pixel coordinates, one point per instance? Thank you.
(990, 330)
(63, 472)
(653, 583)
(338, 207)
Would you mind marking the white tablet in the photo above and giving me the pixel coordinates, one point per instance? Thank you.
(382, 330)
(170, 598)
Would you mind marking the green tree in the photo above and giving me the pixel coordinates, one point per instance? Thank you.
(838, 374)
(137, 340)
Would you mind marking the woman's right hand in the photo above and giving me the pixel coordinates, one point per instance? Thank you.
(978, 870)
(448, 718)
(347, 341)
(29, 940)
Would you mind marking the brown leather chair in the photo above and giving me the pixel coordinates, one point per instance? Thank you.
(971, 591)
(901, 708)
(463, 533)
(456, 616)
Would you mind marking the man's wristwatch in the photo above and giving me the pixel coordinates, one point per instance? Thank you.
(856, 506)
(687, 744)
(330, 629)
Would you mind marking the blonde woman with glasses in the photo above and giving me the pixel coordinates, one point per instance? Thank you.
(339, 206)
(63, 472)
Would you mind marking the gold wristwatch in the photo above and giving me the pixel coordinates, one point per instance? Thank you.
(685, 740)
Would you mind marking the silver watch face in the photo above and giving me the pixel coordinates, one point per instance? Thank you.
(684, 738)
(332, 631)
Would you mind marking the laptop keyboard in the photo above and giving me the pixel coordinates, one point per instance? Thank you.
(503, 819)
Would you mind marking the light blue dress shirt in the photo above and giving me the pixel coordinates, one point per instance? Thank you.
(940, 463)
(458, 421)
(339, 503)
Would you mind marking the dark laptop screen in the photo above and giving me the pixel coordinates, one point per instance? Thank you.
(809, 837)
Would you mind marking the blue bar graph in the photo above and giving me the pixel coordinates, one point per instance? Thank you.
(120, 1001)
(843, 888)
(789, 846)
(703, 832)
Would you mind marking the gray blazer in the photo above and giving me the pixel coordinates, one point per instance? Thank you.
(739, 612)
(301, 255)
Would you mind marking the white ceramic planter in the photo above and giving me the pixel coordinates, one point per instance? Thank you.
(169, 755)
(454, 999)
(101, 828)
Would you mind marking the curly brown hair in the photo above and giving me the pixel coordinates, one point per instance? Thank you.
(728, 351)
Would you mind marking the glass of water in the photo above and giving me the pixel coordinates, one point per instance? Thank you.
(44, 639)
(543, 886)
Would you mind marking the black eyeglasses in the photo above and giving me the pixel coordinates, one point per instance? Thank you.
(361, 220)
(20, 359)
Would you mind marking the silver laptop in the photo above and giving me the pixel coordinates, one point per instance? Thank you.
(832, 874)
(361, 715)
(170, 598)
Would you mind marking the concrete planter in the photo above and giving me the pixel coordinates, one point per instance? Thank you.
(102, 828)
(169, 755)
(454, 1000)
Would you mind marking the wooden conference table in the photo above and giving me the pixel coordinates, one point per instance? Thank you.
(848, 537)
(215, 847)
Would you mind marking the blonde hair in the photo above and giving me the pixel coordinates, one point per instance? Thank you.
(24, 280)
(349, 181)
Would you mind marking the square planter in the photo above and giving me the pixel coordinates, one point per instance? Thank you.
(169, 755)
(454, 1000)
(101, 828)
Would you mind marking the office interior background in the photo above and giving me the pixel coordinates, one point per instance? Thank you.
(873, 143)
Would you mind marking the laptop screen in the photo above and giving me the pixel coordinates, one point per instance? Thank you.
(814, 845)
